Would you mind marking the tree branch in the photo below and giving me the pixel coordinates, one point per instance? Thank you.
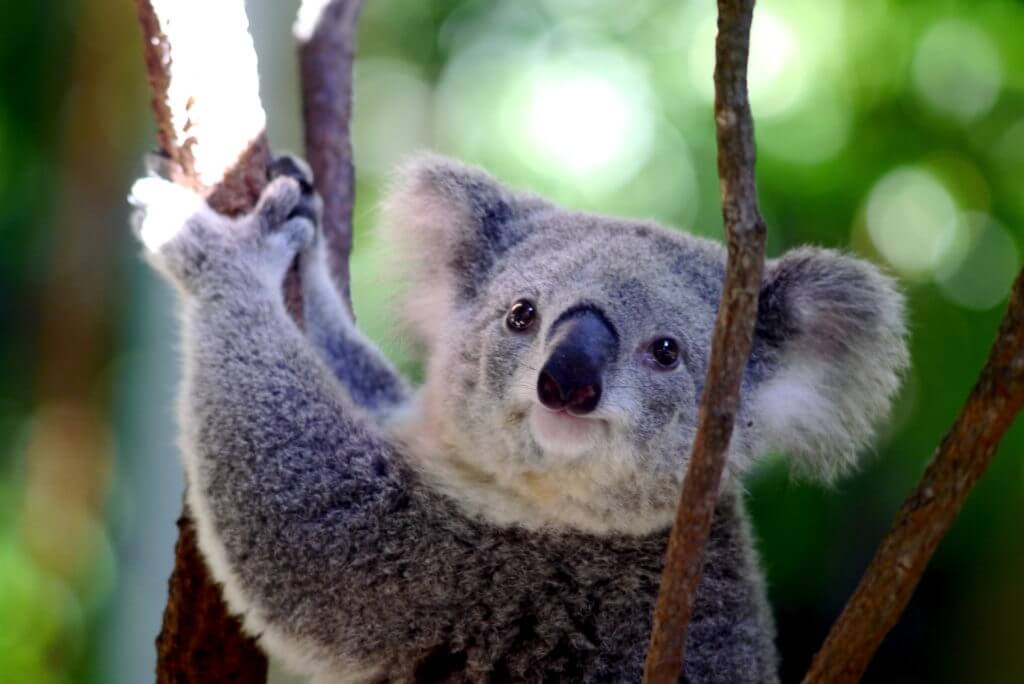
(326, 32)
(733, 337)
(928, 513)
(206, 103)
(210, 124)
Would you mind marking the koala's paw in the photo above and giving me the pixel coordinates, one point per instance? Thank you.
(196, 247)
(310, 206)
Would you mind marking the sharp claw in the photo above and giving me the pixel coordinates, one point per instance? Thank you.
(292, 167)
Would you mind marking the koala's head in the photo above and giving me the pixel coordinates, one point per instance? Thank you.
(566, 352)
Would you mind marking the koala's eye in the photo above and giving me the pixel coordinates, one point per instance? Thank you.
(665, 352)
(521, 316)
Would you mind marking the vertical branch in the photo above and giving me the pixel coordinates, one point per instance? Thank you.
(211, 126)
(733, 337)
(929, 511)
(326, 32)
(201, 67)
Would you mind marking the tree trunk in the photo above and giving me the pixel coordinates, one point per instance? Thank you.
(199, 640)
(210, 126)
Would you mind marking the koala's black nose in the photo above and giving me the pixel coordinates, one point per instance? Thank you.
(572, 377)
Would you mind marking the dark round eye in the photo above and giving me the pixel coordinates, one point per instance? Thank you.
(665, 352)
(521, 316)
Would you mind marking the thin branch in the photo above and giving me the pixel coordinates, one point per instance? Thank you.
(201, 67)
(928, 513)
(733, 337)
(326, 33)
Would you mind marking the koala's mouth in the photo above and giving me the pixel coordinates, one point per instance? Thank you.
(560, 432)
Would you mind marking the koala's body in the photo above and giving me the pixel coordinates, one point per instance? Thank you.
(507, 521)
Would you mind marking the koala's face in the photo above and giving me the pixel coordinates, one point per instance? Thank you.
(579, 365)
(568, 351)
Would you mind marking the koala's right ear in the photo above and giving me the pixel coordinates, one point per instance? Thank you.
(447, 225)
(831, 350)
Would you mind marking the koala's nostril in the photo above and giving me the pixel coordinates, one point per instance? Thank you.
(549, 392)
(584, 399)
(579, 398)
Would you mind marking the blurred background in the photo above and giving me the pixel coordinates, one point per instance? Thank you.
(891, 129)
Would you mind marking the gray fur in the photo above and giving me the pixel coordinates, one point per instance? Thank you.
(367, 534)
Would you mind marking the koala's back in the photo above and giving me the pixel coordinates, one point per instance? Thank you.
(467, 602)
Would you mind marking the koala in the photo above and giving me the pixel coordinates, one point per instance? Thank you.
(506, 521)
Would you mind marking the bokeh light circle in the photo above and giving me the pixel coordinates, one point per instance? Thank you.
(812, 135)
(611, 13)
(957, 70)
(777, 73)
(573, 116)
(979, 275)
(911, 219)
(586, 116)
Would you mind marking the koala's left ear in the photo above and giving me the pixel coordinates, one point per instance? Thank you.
(449, 225)
(829, 353)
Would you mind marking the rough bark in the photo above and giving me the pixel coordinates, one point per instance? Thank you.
(233, 187)
(733, 337)
(927, 514)
(326, 33)
(199, 640)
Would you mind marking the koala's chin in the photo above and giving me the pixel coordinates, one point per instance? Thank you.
(559, 433)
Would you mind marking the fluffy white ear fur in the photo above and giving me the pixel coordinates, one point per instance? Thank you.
(445, 224)
(840, 352)
(417, 223)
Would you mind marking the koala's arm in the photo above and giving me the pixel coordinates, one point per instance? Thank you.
(367, 376)
(286, 474)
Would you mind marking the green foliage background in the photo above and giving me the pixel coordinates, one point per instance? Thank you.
(891, 129)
